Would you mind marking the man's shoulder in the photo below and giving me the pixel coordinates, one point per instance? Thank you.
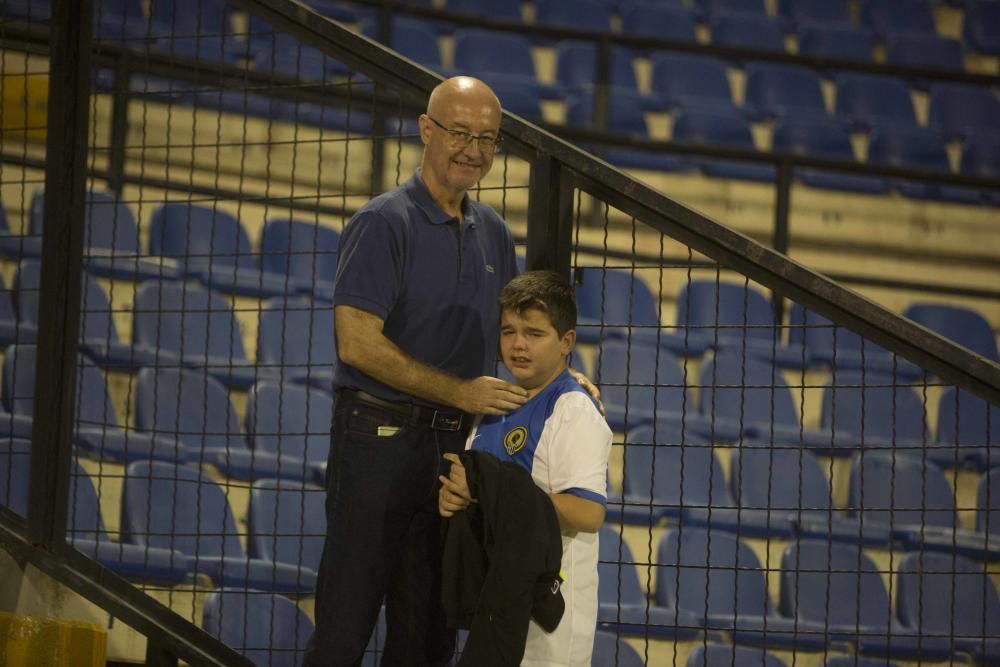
(487, 215)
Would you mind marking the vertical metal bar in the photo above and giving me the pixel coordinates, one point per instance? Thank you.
(781, 212)
(119, 125)
(62, 250)
(550, 216)
(157, 655)
(383, 33)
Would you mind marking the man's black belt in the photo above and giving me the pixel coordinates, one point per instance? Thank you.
(415, 415)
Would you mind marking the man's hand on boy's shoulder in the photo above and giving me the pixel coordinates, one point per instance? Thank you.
(454, 495)
(487, 395)
(591, 388)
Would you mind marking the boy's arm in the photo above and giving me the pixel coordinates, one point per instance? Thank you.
(577, 513)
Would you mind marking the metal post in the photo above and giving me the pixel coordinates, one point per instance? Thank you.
(62, 250)
(157, 655)
(781, 212)
(550, 216)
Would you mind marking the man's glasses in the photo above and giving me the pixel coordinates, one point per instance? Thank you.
(461, 138)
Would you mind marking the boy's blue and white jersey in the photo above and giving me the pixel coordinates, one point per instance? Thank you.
(561, 438)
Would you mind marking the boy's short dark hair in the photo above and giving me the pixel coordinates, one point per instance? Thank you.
(546, 291)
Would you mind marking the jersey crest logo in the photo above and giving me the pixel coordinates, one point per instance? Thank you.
(515, 439)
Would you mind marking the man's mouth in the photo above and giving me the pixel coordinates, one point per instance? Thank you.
(520, 360)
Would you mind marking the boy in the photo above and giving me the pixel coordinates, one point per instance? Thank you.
(560, 437)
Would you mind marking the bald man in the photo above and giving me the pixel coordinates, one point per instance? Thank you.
(417, 318)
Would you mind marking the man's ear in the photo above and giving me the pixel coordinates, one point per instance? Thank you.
(425, 128)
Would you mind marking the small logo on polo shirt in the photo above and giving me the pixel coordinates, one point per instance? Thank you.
(515, 439)
(489, 268)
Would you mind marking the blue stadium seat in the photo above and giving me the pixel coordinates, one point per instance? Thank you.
(841, 348)
(713, 578)
(269, 630)
(817, 136)
(640, 384)
(30, 10)
(867, 101)
(965, 608)
(788, 484)
(832, 13)
(878, 414)
(612, 650)
(963, 111)
(306, 252)
(623, 606)
(981, 27)
(836, 590)
(12, 331)
(497, 57)
(747, 31)
(278, 54)
(195, 409)
(981, 157)
(203, 32)
(111, 243)
(841, 41)
(589, 14)
(185, 323)
(727, 315)
(179, 507)
(84, 526)
(917, 148)
(778, 91)
(660, 20)
(121, 21)
(576, 68)
(98, 332)
(96, 430)
(599, 302)
(16, 246)
(625, 116)
(913, 498)
(971, 426)
(491, 9)
(930, 51)
(882, 16)
(286, 522)
(691, 80)
(856, 661)
(667, 475)
(85, 531)
(293, 421)
(749, 397)
(964, 326)
(296, 341)
(740, 7)
(636, 318)
(719, 126)
(987, 503)
(212, 246)
(416, 40)
(719, 655)
(520, 99)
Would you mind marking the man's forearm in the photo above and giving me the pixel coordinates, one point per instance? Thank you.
(384, 361)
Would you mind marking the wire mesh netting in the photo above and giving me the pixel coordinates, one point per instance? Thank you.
(778, 483)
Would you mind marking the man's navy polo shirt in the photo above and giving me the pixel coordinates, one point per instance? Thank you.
(436, 287)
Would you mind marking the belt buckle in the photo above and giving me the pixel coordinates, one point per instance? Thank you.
(443, 422)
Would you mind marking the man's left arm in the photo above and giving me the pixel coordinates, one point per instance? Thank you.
(577, 513)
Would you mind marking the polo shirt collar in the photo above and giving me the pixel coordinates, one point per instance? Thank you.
(421, 196)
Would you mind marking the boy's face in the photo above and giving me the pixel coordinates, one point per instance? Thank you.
(530, 347)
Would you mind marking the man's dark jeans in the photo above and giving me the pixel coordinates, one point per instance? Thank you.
(383, 540)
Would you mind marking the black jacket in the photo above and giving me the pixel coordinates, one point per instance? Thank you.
(501, 562)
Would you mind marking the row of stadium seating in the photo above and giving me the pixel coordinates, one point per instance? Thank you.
(176, 521)
(907, 25)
